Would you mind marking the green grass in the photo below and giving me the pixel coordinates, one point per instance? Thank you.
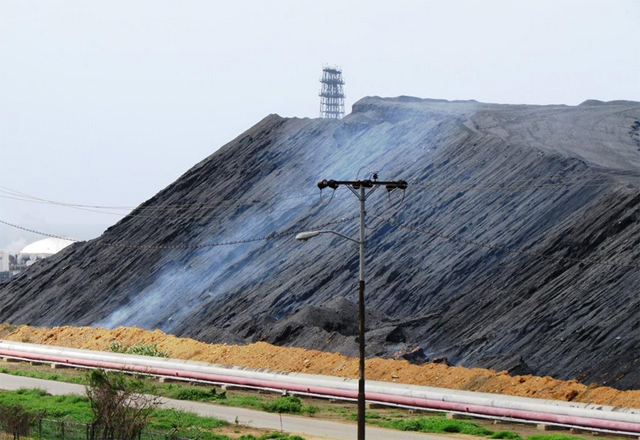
(191, 425)
(433, 425)
(57, 407)
(553, 437)
(283, 405)
(46, 376)
(243, 401)
(510, 435)
(559, 437)
(140, 349)
(288, 405)
(341, 411)
(78, 408)
(192, 393)
(272, 436)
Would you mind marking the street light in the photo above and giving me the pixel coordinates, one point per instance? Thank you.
(304, 236)
(358, 187)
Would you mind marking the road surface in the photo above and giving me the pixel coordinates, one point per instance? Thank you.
(257, 419)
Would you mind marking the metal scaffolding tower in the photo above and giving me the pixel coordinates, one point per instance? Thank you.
(332, 93)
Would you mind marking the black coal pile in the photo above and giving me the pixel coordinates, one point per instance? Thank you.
(515, 246)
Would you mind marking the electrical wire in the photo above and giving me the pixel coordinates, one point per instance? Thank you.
(201, 210)
(395, 210)
(142, 211)
(587, 184)
(10, 193)
(455, 238)
(13, 225)
(603, 181)
(549, 179)
(271, 236)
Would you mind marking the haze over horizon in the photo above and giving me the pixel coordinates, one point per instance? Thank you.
(106, 105)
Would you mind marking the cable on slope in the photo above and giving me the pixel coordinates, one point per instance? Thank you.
(271, 236)
(480, 244)
(13, 225)
(15, 195)
(585, 184)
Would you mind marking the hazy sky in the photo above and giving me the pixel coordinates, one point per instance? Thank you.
(107, 102)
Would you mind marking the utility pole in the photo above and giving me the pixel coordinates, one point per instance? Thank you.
(359, 188)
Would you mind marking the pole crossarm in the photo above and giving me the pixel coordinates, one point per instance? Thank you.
(366, 183)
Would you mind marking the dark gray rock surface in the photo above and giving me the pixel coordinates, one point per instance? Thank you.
(557, 181)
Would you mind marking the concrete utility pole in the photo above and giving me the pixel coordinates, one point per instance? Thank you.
(359, 188)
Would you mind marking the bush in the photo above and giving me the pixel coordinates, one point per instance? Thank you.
(120, 406)
(553, 437)
(15, 420)
(197, 394)
(271, 436)
(288, 405)
(436, 424)
(35, 392)
(139, 349)
(510, 435)
(451, 428)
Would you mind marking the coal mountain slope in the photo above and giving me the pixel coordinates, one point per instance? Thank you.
(556, 181)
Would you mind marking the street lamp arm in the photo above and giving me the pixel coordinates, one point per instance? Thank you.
(304, 236)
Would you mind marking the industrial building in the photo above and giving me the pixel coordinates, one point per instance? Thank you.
(13, 264)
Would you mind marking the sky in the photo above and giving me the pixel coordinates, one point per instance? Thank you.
(108, 102)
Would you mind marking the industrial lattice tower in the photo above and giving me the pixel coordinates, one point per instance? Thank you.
(332, 93)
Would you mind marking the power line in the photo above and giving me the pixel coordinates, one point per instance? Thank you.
(455, 238)
(545, 179)
(586, 184)
(271, 236)
(586, 181)
(171, 209)
(194, 215)
(13, 225)
(16, 195)
(199, 210)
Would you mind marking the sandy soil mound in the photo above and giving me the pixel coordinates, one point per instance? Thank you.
(263, 355)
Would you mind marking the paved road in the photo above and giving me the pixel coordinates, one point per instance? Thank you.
(257, 419)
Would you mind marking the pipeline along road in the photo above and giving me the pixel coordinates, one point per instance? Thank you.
(257, 419)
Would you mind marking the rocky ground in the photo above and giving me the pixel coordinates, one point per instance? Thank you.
(263, 355)
(516, 245)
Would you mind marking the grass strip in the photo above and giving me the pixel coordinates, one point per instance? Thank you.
(285, 405)
(81, 380)
(435, 424)
(78, 408)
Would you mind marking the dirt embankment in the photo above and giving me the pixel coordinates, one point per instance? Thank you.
(262, 355)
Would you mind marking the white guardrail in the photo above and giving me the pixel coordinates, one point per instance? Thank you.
(495, 406)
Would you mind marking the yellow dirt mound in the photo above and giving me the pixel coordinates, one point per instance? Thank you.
(263, 355)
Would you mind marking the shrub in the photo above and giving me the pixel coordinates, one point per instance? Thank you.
(285, 404)
(15, 419)
(553, 437)
(35, 392)
(288, 405)
(197, 394)
(436, 424)
(510, 435)
(139, 349)
(120, 406)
